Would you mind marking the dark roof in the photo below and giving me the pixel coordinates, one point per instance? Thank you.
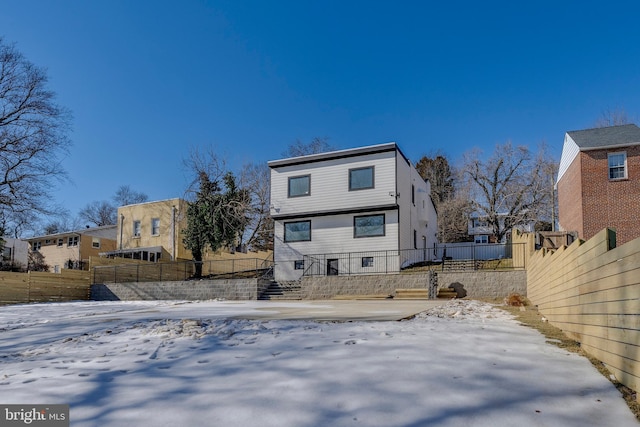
(612, 136)
(352, 152)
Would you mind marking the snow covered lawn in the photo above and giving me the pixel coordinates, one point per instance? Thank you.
(189, 364)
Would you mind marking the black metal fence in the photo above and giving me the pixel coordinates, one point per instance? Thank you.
(451, 257)
(182, 270)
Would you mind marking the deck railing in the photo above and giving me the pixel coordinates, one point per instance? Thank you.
(451, 257)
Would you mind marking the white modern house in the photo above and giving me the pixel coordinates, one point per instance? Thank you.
(355, 211)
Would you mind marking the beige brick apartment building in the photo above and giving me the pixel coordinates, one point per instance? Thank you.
(599, 182)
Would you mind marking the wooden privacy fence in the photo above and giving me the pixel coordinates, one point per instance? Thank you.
(21, 288)
(591, 290)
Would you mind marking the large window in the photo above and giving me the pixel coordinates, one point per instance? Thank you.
(72, 241)
(617, 165)
(361, 178)
(299, 231)
(368, 226)
(300, 186)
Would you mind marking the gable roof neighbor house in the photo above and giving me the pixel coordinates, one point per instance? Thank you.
(599, 182)
(334, 212)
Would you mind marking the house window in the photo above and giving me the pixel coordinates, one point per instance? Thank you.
(482, 239)
(413, 194)
(361, 178)
(72, 241)
(368, 226)
(298, 264)
(136, 228)
(155, 226)
(36, 246)
(60, 242)
(367, 261)
(299, 231)
(617, 165)
(300, 186)
(477, 222)
(95, 243)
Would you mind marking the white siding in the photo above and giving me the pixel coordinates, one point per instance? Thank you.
(330, 235)
(330, 185)
(417, 213)
(569, 152)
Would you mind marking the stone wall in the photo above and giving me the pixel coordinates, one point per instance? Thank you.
(326, 287)
(231, 289)
(485, 284)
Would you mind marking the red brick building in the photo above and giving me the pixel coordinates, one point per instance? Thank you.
(599, 182)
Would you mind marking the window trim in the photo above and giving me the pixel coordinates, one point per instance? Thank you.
(72, 241)
(95, 242)
(286, 240)
(139, 224)
(355, 226)
(373, 178)
(157, 228)
(624, 166)
(308, 193)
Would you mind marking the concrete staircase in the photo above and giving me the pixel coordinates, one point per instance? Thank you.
(411, 294)
(458, 265)
(282, 291)
(447, 293)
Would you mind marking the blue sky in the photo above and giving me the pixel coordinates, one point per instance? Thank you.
(148, 80)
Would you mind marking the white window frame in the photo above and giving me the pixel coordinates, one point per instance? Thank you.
(95, 242)
(481, 239)
(72, 241)
(155, 226)
(617, 167)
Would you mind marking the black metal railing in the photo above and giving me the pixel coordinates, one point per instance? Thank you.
(182, 270)
(449, 257)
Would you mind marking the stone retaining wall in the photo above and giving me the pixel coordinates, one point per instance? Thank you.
(326, 287)
(486, 284)
(192, 290)
(477, 284)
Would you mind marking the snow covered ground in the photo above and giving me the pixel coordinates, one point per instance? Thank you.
(189, 364)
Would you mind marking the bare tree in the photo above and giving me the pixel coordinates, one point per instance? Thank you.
(614, 117)
(315, 146)
(99, 213)
(452, 204)
(256, 178)
(511, 188)
(127, 196)
(33, 137)
(104, 212)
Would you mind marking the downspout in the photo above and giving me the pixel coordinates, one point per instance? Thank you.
(173, 233)
(121, 228)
